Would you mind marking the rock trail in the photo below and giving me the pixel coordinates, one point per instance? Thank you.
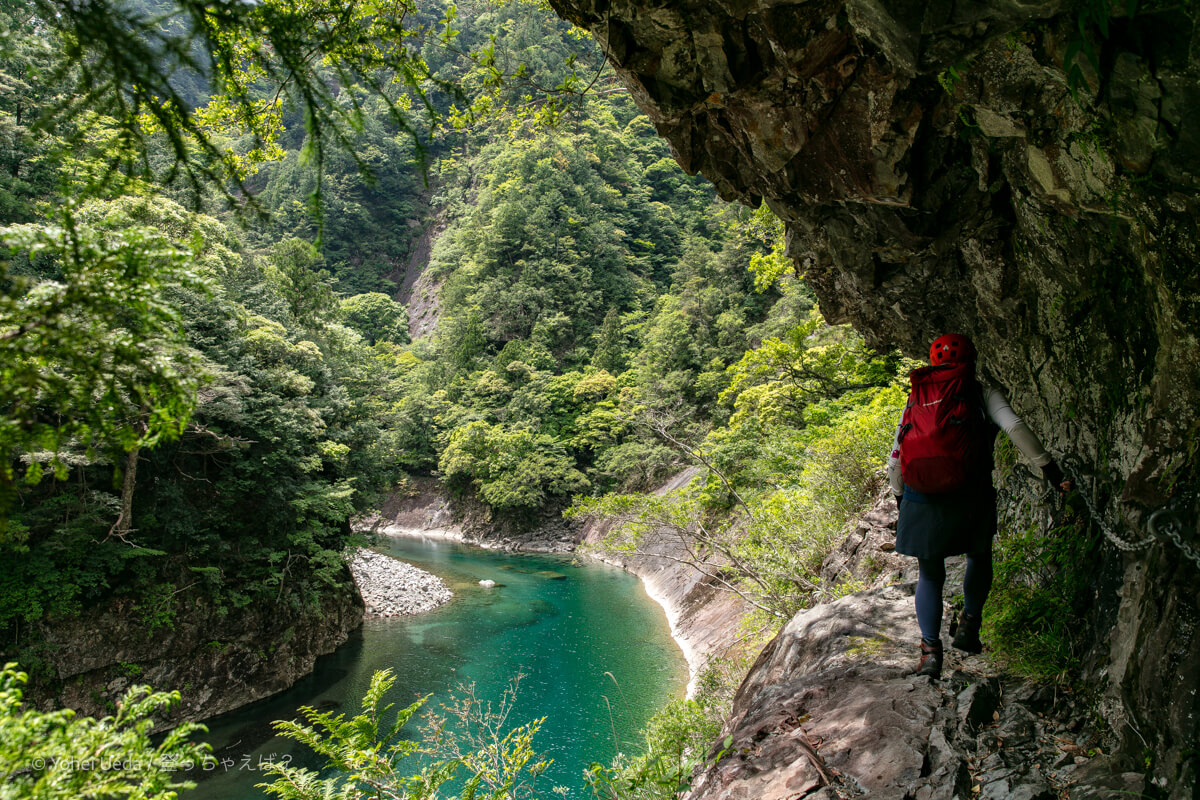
(831, 711)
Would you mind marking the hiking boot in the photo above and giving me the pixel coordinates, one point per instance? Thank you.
(966, 638)
(931, 659)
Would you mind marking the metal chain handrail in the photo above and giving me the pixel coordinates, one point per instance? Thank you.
(1165, 523)
(1075, 470)
(1173, 530)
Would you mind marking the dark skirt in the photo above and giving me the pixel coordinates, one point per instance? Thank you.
(950, 524)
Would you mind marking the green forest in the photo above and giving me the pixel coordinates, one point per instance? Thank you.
(209, 357)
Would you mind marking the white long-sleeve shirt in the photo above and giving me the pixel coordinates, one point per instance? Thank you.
(1001, 413)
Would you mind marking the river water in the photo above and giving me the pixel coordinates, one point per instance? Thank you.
(595, 650)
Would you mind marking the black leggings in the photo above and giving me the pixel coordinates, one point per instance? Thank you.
(976, 584)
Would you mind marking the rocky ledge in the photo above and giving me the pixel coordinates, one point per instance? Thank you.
(392, 588)
(830, 711)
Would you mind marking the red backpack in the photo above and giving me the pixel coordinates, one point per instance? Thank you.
(945, 439)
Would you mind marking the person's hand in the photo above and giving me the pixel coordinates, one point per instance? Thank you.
(1053, 474)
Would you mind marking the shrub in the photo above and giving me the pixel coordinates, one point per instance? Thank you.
(61, 756)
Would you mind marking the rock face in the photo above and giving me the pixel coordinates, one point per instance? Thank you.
(830, 711)
(392, 588)
(867, 557)
(217, 661)
(938, 171)
(422, 508)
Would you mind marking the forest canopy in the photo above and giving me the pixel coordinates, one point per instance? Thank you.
(224, 390)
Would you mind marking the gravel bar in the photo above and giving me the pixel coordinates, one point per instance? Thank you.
(393, 588)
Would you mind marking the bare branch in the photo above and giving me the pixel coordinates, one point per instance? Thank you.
(699, 566)
(660, 429)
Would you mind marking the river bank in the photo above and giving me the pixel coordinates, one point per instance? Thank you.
(218, 658)
(704, 620)
(574, 631)
(422, 509)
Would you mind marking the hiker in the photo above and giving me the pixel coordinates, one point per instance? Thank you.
(940, 471)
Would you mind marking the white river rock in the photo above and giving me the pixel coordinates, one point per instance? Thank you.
(391, 588)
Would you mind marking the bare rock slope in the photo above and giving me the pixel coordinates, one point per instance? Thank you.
(830, 711)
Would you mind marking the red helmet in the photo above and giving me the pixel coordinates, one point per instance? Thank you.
(952, 348)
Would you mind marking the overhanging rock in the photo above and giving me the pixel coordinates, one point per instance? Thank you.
(937, 171)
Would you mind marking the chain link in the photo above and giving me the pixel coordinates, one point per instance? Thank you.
(1076, 472)
(1173, 530)
(1167, 522)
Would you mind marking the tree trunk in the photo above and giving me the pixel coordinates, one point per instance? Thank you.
(124, 524)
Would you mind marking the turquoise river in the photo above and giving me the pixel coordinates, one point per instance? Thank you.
(595, 650)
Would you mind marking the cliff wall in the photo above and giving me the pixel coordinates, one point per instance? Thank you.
(217, 661)
(938, 169)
